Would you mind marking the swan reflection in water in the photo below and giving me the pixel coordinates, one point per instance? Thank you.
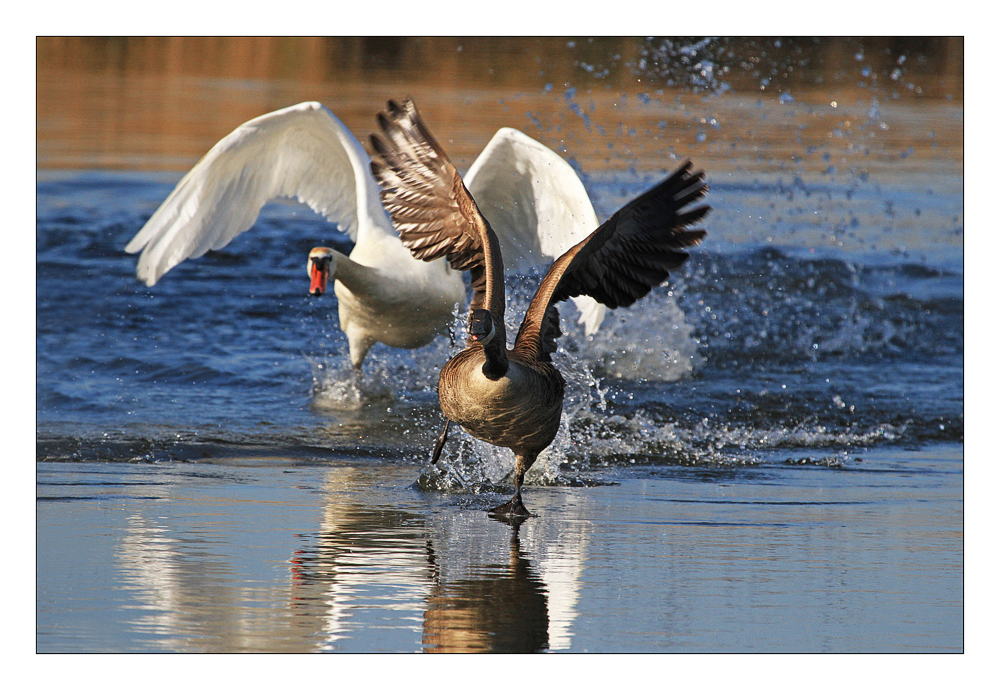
(368, 579)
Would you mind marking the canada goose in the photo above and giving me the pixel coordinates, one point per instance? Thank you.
(384, 294)
(513, 397)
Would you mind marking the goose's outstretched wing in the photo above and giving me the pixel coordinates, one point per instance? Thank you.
(303, 151)
(432, 210)
(536, 205)
(622, 260)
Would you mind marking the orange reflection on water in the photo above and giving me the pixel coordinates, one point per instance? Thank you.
(609, 103)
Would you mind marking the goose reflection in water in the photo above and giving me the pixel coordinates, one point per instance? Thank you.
(460, 591)
(503, 609)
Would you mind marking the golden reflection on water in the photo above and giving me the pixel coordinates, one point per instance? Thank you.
(162, 102)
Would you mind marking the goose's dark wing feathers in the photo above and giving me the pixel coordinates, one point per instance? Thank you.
(550, 333)
(623, 259)
(430, 207)
(617, 264)
(637, 247)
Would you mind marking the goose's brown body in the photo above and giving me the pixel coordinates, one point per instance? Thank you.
(520, 410)
(513, 397)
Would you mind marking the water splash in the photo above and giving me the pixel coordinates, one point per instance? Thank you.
(654, 343)
(683, 63)
(469, 465)
(626, 402)
(337, 386)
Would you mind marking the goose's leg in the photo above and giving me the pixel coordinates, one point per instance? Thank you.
(515, 506)
(440, 442)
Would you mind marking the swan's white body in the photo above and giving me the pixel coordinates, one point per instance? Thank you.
(384, 293)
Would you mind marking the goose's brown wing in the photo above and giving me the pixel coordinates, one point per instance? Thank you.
(623, 259)
(430, 207)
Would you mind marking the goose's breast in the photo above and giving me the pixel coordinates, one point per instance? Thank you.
(521, 410)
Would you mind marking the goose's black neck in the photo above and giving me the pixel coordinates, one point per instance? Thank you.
(487, 330)
(496, 364)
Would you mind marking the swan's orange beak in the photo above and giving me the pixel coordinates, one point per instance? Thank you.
(318, 273)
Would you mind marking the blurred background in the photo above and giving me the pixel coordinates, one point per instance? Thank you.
(161, 102)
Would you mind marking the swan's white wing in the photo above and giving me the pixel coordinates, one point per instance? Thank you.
(536, 205)
(303, 151)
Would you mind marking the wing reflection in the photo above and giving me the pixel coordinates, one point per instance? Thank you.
(189, 592)
(367, 567)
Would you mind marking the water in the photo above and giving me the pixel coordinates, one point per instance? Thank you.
(309, 555)
(764, 455)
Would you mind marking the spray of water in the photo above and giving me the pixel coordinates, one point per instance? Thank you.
(651, 343)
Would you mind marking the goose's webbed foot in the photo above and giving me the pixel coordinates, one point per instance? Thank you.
(512, 508)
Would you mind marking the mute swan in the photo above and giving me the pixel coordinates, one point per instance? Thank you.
(384, 295)
(513, 397)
